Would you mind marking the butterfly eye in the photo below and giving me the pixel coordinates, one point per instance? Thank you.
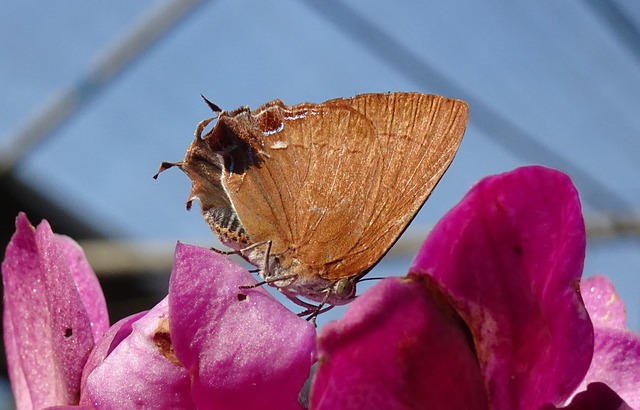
(344, 289)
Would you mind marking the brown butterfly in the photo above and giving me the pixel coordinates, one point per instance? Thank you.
(314, 195)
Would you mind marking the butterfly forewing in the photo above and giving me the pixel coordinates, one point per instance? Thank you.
(310, 185)
(419, 135)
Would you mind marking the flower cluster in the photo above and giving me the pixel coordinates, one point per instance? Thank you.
(492, 315)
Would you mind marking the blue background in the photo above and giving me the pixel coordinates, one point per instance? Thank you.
(555, 83)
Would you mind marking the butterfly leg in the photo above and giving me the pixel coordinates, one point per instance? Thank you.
(312, 311)
(201, 126)
(242, 252)
(269, 281)
(310, 307)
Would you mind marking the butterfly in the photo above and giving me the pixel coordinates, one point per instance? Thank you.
(314, 195)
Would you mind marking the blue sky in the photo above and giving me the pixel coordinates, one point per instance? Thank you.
(548, 82)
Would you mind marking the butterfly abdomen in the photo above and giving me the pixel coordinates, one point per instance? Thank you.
(224, 222)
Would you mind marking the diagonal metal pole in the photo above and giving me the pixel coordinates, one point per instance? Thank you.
(117, 257)
(66, 103)
(619, 22)
(495, 125)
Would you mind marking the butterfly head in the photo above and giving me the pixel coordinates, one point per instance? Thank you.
(314, 288)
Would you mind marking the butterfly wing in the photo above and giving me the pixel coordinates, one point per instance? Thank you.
(310, 188)
(333, 185)
(419, 135)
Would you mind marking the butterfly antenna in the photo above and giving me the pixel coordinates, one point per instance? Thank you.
(374, 278)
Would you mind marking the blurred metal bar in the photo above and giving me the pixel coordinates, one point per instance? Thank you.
(492, 122)
(619, 22)
(66, 103)
(607, 226)
(132, 257)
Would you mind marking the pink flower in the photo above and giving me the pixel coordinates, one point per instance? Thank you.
(491, 316)
(242, 348)
(207, 345)
(54, 311)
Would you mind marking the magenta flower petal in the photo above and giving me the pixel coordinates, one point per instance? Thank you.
(47, 330)
(605, 307)
(399, 346)
(141, 370)
(511, 254)
(243, 349)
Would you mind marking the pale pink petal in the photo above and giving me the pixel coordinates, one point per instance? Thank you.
(398, 346)
(47, 330)
(511, 254)
(616, 357)
(111, 339)
(87, 284)
(616, 362)
(243, 349)
(605, 307)
(140, 371)
(597, 396)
